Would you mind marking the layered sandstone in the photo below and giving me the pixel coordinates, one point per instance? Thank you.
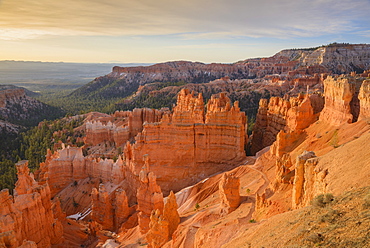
(121, 207)
(229, 193)
(120, 127)
(28, 216)
(278, 114)
(68, 164)
(304, 179)
(190, 144)
(149, 196)
(364, 97)
(171, 214)
(334, 57)
(338, 96)
(102, 208)
(158, 230)
(283, 170)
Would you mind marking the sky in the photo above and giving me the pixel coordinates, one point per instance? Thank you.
(148, 31)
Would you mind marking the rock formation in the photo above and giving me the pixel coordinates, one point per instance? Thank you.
(68, 164)
(229, 193)
(171, 214)
(277, 115)
(188, 145)
(28, 216)
(283, 170)
(162, 226)
(149, 196)
(121, 207)
(121, 126)
(338, 96)
(102, 208)
(305, 177)
(158, 230)
(364, 97)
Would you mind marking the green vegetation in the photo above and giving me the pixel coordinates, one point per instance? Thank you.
(32, 145)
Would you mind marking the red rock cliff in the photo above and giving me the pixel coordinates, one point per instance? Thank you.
(279, 114)
(28, 216)
(190, 145)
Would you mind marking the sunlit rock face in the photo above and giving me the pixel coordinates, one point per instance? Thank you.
(28, 215)
(279, 114)
(190, 144)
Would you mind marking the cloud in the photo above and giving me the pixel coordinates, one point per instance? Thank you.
(192, 18)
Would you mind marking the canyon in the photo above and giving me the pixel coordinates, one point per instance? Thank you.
(191, 176)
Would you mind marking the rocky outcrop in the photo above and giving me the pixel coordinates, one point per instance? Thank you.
(162, 226)
(339, 93)
(68, 164)
(291, 63)
(277, 115)
(149, 196)
(121, 126)
(121, 208)
(28, 216)
(158, 230)
(364, 97)
(189, 145)
(284, 172)
(102, 208)
(171, 214)
(229, 186)
(336, 58)
(308, 180)
(109, 209)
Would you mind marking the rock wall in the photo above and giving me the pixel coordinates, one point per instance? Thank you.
(338, 95)
(28, 215)
(342, 103)
(68, 164)
(189, 145)
(279, 114)
(364, 97)
(308, 180)
(122, 126)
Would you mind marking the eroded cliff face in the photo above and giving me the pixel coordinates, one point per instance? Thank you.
(162, 226)
(189, 145)
(277, 115)
(28, 215)
(121, 126)
(149, 197)
(364, 97)
(338, 95)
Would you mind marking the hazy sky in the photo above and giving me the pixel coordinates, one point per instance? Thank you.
(162, 30)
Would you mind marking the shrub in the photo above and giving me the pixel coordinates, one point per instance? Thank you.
(330, 216)
(322, 200)
(367, 201)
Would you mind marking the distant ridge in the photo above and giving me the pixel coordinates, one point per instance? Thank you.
(333, 58)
